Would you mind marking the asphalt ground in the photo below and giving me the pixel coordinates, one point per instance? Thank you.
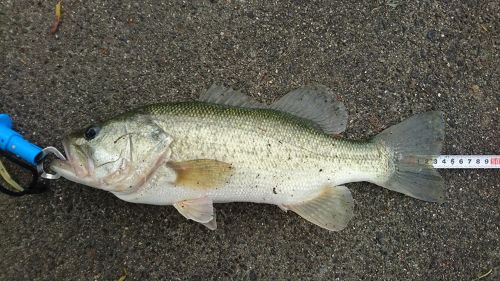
(387, 60)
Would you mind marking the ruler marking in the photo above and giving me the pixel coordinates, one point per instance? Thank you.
(466, 162)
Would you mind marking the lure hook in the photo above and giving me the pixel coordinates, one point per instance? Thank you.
(46, 152)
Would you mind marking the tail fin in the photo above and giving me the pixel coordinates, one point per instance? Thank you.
(411, 144)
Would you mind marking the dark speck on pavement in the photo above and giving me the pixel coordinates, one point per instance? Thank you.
(386, 63)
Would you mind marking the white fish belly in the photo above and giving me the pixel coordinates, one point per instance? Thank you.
(243, 186)
(268, 186)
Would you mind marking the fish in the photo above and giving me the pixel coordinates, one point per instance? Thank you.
(228, 147)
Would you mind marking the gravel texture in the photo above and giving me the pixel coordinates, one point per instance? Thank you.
(387, 60)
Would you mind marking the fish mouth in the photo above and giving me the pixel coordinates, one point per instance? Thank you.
(77, 167)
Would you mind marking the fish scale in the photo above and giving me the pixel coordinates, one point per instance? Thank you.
(264, 146)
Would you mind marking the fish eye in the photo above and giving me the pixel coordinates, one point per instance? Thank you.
(91, 132)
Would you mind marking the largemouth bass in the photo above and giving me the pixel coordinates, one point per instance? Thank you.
(227, 147)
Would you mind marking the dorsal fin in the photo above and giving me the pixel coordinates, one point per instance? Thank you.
(226, 96)
(316, 103)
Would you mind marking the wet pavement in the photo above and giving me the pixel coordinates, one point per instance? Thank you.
(387, 60)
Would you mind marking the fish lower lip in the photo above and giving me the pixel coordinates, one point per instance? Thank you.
(60, 165)
(73, 163)
(67, 151)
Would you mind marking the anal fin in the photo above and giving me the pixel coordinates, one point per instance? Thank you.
(331, 208)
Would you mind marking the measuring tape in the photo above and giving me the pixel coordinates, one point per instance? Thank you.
(466, 162)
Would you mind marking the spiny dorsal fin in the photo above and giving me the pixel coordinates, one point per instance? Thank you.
(201, 173)
(315, 103)
(331, 208)
(226, 96)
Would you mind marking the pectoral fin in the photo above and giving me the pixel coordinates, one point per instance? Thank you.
(201, 173)
(330, 208)
(200, 210)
